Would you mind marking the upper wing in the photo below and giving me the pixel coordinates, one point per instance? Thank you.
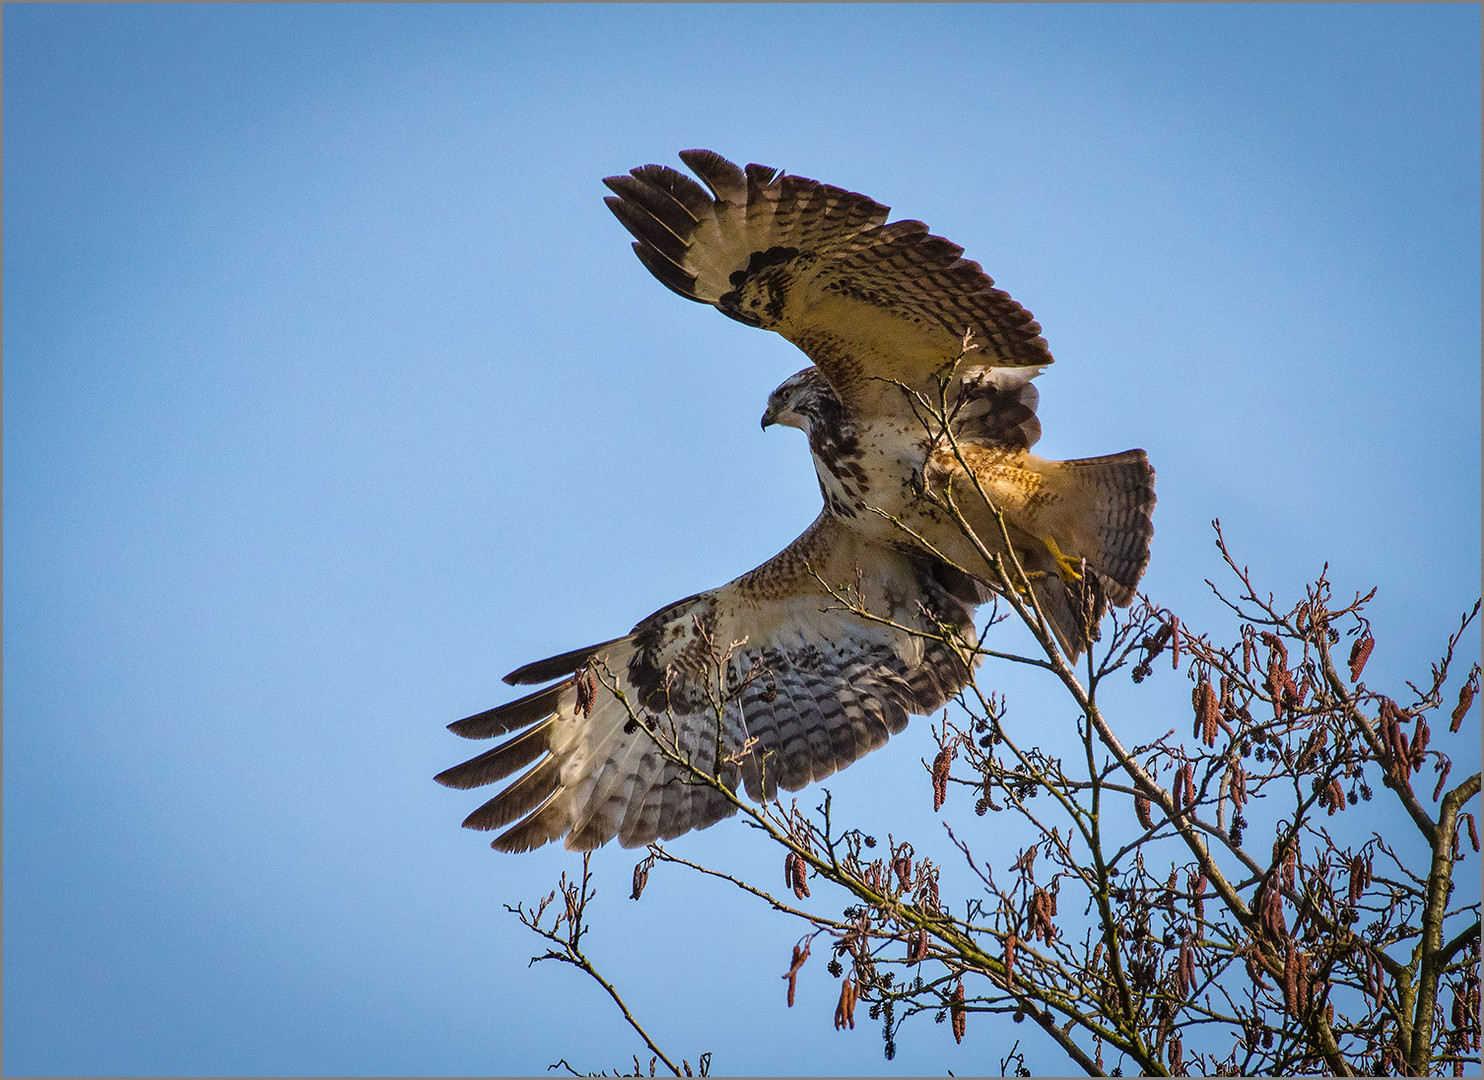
(771, 670)
(866, 300)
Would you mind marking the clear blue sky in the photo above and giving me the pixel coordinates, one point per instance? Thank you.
(332, 392)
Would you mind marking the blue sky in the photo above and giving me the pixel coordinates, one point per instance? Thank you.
(333, 392)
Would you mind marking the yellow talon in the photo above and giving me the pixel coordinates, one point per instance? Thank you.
(1068, 568)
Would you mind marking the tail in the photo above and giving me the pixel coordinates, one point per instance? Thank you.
(1104, 514)
(1112, 499)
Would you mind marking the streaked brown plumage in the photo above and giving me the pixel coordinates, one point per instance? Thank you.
(817, 686)
(771, 671)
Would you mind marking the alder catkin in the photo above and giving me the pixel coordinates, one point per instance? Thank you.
(941, 764)
(1360, 652)
(1207, 709)
(845, 1011)
(1466, 694)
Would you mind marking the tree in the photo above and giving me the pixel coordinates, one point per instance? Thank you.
(1230, 903)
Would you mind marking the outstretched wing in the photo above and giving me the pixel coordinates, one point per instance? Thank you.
(771, 675)
(866, 300)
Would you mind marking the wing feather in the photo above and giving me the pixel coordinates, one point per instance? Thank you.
(511, 716)
(553, 667)
(500, 762)
(528, 793)
(817, 686)
(867, 300)
(727, 182)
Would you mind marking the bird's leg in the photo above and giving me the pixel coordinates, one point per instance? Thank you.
(1068, 568)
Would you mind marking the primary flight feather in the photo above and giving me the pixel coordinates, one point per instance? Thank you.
(798, 667)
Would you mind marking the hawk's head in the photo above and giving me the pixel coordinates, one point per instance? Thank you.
(804, 401)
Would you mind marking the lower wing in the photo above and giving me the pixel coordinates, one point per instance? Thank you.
(776, 679)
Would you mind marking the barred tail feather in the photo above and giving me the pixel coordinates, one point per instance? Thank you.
(1095, 509)
(1113, 498)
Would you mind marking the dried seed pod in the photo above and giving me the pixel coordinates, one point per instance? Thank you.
(1360, 652)
(1274, 926)
(1401, 752)
(918, 947)
(796, 874)
(941, 765)
(1141, 810)
(930, 895)
(801, 878)
(1315, 743)
(1466, 694)
(1302, 986)
(587, 693)
(1186, 776)
(1195, 883)
(902, 864)
(641, 877)
(845, 1011)
(1421, 734)
(1010, 942)
(1277, 681)
(959, 1012)
(1357, 880)
(1182, 784)
(1444, 767)
(1207, 712)
(1252, 954)
(1042, 927)
(1468, 819)
(800, 955)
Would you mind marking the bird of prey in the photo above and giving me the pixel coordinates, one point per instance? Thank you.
(920, 415)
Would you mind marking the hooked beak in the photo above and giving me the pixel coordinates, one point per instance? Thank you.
(770, 416)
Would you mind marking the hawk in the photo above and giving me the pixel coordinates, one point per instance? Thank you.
(918, 402)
